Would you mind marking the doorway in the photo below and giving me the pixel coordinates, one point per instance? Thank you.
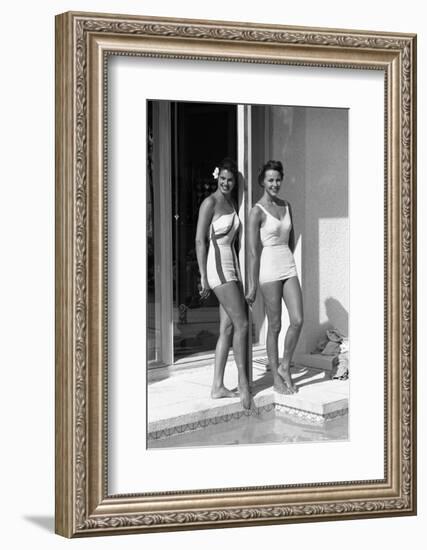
(202, 135)
(186, 141)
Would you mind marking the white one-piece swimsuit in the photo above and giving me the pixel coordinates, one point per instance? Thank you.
(277, 261)
(222, 265)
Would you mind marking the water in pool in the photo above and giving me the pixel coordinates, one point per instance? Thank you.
(265, 427)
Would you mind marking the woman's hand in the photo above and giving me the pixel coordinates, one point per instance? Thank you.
(250, 296)
(254, 245)
(205, 289)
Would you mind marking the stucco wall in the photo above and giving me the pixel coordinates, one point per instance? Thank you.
(312, 143)
(326, 240)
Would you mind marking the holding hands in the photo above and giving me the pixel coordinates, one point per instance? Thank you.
(250, 296)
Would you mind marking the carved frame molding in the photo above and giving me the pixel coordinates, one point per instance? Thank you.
(83, 43)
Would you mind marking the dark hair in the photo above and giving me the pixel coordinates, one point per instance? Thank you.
(270, 165)
(228, 163)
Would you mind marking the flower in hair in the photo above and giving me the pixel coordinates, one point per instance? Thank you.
(215, 173)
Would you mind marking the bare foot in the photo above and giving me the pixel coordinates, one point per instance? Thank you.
(245, 395)
(286, 375)
(218, 393)
(280, 386)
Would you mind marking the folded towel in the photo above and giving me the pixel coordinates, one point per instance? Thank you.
(342, 367)
(334, 335)
(331, 348)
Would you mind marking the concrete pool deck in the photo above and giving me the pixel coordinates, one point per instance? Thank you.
(179, 400)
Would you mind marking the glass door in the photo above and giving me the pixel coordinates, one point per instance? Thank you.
(203, 134)
(185, 143)
(159, 227)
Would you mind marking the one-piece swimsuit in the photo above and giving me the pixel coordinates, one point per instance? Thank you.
(277, 261)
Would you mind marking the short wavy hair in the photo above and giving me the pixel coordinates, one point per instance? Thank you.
(270, 165)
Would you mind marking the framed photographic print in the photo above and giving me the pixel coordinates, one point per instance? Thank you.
(235, 274)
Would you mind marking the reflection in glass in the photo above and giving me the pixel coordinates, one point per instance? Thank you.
(185, 141)
(202, 134)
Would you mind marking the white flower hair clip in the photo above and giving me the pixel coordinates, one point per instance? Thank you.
(215, 173)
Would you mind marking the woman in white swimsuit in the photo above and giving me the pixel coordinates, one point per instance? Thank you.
(219, 271)
(270, 224)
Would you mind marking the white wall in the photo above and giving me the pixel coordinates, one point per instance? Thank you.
(312, 144)
(286, 142)
(27, 276)
(326, 238)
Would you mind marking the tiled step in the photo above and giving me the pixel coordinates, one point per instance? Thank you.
(317, 400)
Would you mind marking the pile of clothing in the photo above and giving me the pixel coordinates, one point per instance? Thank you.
(335, 343)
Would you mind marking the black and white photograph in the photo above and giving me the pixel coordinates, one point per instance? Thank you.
(247, 274)
(214, 245)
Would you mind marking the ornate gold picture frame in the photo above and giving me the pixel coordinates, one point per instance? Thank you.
(84, 42)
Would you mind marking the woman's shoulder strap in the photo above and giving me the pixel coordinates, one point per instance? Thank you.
(262, 207)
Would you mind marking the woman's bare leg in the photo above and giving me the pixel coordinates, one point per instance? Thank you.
(292, 296)
(221, 355)
(272, 293)
(231, 298)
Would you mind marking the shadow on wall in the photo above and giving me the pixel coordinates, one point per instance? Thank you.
(312, 143)
(326, 259)
(337, 316)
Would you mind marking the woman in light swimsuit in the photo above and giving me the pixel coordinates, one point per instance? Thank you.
(270, 224)
(219, 271)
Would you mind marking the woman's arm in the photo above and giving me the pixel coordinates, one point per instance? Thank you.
(255, 219)
(206, 213)
(291, 242)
